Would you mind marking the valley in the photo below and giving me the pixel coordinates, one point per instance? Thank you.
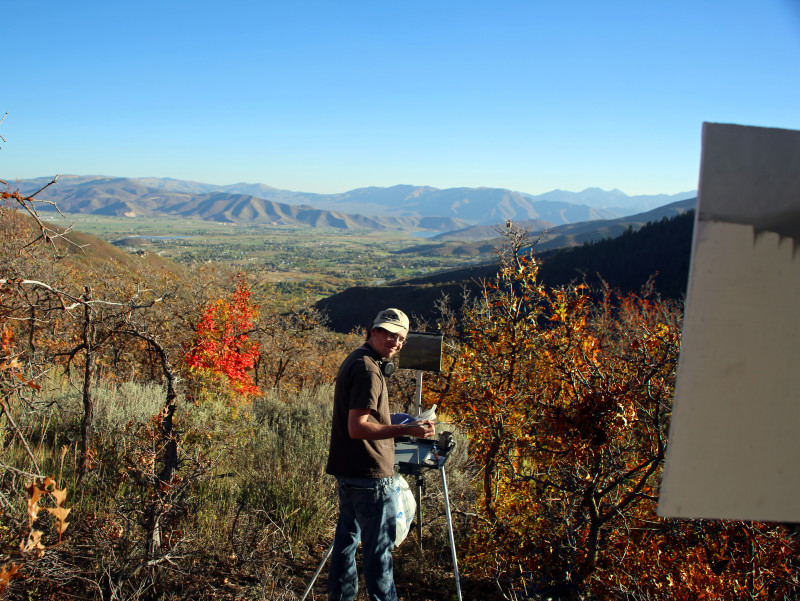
(312, 262)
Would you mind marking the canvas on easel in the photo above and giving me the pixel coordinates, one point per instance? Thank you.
(733, 442)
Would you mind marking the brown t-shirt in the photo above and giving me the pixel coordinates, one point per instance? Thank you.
(360, 385)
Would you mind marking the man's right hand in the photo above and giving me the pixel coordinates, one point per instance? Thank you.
(424, 428)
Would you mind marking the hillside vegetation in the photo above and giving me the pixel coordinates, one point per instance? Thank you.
(165, 432)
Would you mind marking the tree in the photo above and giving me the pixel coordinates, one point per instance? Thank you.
(222, 352)
(565, 396)
(298, 352)
(45, 323)
(18, 380)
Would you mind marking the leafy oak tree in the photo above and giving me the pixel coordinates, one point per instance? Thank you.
(565, 396)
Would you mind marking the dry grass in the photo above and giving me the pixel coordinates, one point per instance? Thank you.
(251, 521)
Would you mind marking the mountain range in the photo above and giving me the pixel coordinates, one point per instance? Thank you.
(571, 234)
(397, 207)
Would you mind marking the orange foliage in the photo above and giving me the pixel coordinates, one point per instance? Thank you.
(565, 396)
(32, 547)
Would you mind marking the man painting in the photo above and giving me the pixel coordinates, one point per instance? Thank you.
(361, 458)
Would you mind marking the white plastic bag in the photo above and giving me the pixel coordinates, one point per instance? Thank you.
(406, 507)
(429, 414)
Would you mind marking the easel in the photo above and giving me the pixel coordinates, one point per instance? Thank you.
(423, 352)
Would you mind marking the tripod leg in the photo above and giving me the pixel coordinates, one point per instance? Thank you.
(450, 533)
(319, 569)
(420, 491)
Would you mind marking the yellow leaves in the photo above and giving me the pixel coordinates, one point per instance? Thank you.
(7, 572)
(559, 312)
(34, 494)
(59, 512)
(32, 546)
(32, 542)
(9, 362)
(552, 390)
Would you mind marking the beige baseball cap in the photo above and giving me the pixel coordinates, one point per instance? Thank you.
(391, 320)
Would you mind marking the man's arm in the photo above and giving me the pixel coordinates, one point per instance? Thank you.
(359, 427)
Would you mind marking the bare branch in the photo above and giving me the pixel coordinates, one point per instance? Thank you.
(80, 301)
(1, 121)
(46, 233)
(13, 426)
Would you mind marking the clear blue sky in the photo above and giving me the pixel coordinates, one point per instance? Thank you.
(329, 96)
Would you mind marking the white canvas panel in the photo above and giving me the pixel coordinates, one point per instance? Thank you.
(734, 442)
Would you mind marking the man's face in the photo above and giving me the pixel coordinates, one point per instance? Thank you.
(387, 343)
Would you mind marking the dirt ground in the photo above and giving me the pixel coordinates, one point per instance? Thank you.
(420, 575)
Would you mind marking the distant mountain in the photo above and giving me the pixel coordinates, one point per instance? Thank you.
(149, 197)
(481, 240)
(399, 207)
(477, 206)
(487, 206)
(614, 199)
(575, 234)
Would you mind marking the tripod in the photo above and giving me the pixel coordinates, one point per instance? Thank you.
(415, 455)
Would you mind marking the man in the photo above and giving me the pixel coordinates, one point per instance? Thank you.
(362, 459)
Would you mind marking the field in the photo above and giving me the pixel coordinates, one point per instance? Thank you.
(316, 262)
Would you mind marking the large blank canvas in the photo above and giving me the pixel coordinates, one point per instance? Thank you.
(734, 441)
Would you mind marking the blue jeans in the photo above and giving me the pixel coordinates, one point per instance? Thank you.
(367, 513)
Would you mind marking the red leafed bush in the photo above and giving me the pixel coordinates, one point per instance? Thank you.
(222, 350)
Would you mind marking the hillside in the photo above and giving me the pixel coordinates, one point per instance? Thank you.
(481, 240)
(660, 249)
(84, 250)
(573, 234)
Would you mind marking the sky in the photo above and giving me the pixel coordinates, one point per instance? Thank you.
(313, 96)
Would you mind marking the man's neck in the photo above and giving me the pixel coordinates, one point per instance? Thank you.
(372, 348)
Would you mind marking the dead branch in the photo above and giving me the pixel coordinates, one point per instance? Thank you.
(80, 301)
(1, 121)
(4, 410)
(47, 234)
